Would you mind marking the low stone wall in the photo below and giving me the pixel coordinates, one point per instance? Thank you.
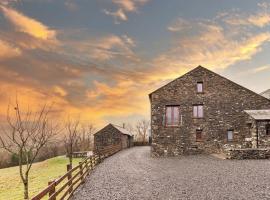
(248, 153)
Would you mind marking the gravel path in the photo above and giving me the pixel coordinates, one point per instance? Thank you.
(133, 174)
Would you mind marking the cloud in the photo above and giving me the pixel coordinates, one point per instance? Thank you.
(179, 25)
(8, 51)
(259, 19)
(117, 15)
(208, 43)
(261, 69)
(71, 5)
(28, 25)
(8, 2)
(103, 76)
(129, 5)
(124, 6)
(103, 48)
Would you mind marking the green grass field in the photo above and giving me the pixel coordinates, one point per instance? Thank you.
(11, 187)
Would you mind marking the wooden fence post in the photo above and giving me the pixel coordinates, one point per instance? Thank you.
(81, 171)
(91, 163)
(52, 189)
(99, 157)
(69, 167)
(87, 167)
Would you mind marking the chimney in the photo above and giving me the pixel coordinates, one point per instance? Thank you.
(123, 125)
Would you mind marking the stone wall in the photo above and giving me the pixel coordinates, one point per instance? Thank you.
(241, 154)
(264, 140)
(224, 104)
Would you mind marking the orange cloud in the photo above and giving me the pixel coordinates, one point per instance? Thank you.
(260, 19)
(8, 51)
(28, 25)
(212, 46)
(129, 5)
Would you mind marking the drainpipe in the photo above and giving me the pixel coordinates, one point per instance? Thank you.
(257, 134)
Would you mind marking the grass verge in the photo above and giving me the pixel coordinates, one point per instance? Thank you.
(11, 187)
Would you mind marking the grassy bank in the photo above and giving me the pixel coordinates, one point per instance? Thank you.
(11, 187)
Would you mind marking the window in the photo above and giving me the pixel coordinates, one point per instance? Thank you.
(199, 87)
(267, 127)
(198, 135)
(172, 115)
(230, 135)
(198, 111)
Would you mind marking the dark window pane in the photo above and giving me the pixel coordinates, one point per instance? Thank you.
(198, 135)
(267, 129)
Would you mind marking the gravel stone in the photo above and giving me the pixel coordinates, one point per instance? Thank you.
(134, 174)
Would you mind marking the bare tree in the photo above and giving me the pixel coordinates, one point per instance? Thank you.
(86, 137)
(141, 129)
(129, 127)
(25, 135)
(71, 138)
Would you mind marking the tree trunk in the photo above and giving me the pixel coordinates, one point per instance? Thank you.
(25, 184)
(70, 159)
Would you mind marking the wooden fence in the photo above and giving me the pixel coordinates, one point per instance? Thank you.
(65, 186)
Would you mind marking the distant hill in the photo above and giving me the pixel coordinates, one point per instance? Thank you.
(266, 94)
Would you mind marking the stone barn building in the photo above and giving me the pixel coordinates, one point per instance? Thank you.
(112, 135)
(202, 111)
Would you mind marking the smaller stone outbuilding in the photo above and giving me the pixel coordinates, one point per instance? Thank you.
(112, 135)
(259, 127)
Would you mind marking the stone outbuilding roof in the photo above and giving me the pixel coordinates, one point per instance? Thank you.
(259, 114)
(266, 94)
(119, 128)
(122, 130)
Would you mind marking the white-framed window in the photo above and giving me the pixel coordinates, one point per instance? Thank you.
(172, 115)
(198, 111)
(200, 87)
(230, 135)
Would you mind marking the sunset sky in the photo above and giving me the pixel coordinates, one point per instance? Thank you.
(101, 58)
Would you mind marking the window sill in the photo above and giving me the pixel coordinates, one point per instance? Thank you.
(198, 118)
(200, 92)
(172, 126)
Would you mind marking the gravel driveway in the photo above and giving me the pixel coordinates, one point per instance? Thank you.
(133, 174)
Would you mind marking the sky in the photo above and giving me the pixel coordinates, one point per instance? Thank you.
(99, 59)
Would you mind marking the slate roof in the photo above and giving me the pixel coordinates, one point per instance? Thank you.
(266, 94)
(259, 114)
(122, 130)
